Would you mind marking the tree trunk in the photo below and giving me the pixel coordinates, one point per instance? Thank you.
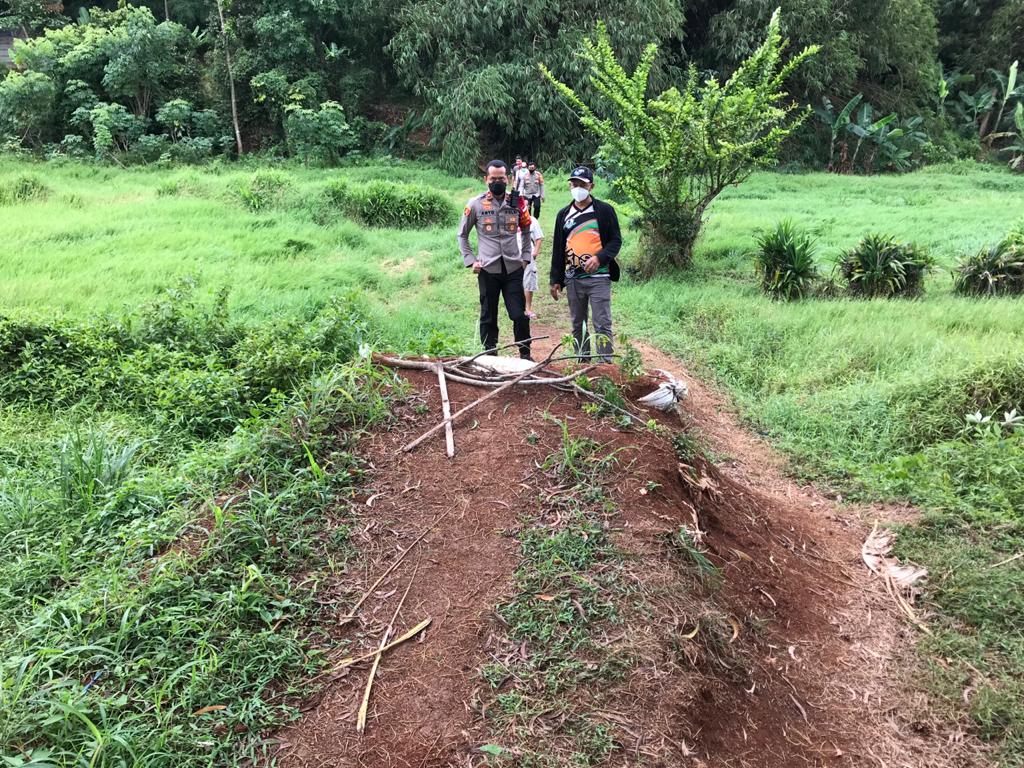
(231, 79)
(167, 11)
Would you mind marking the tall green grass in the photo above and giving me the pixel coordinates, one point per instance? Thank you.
(167, 487)
(104, 239)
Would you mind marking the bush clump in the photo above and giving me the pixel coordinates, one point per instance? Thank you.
(178, 362)
(785, 261)
(881, 267)
(265, 189)
(387, 204)
(994, 271)
(23, 189)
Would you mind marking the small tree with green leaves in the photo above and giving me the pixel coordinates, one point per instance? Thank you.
(672, 155)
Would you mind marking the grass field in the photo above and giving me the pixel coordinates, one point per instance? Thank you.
(869, 397)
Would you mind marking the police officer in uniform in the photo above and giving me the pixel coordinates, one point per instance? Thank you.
(504, 247)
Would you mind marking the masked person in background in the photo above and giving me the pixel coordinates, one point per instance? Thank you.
(531, 186)
(504, 247)
(585, 243)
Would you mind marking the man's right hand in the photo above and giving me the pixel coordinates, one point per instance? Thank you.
(477, 266)
(556, 290)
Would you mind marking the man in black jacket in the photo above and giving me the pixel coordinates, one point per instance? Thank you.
(585, 243)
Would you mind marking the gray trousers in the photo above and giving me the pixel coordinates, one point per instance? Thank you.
(597, 293)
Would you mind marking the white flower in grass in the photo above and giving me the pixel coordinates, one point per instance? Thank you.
(977, 418)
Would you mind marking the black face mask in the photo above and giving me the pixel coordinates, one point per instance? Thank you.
(497, 188)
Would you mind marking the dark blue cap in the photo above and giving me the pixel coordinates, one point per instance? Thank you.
(582, 173)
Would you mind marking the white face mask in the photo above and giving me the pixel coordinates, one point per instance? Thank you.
(579, 194)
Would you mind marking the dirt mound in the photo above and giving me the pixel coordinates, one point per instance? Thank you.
(775, 649)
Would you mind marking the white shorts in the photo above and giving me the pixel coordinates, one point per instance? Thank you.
(530, 277)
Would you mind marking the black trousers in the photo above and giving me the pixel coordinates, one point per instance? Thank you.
(533, 203)
(509, 286)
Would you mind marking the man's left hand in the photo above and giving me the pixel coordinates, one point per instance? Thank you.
(592, 265)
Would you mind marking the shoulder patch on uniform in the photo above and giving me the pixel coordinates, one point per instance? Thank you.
(466, 212)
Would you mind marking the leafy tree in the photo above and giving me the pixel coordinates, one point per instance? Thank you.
(321, 135)
(141, 55)
(121, 56)
(176, 117)
(475, 68)
(31, 15)
(114, 128)
(976, 35)
(673, 154)
(889, 44)
(26, 105)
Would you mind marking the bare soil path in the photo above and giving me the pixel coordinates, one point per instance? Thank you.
(824, 681)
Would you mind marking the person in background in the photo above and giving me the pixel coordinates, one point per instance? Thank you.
(502, 226)
(532, 188)
(530, 272)
(519, 174)
(586, 241)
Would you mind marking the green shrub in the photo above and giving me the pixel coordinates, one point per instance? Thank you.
(881, 267)
(182, 364)
(994, 271)
(264, 190)
(26, 105)
(319, 136)
(785, 260)
(386, 204)
(23, 189)
(149, 148)
(1015, 237)
(192, 149)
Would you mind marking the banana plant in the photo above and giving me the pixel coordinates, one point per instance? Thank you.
(973, 106)
(1009, 86)
(1016, 147)
(836, 123)
(950, 83)
(898, 144)
(866, 128)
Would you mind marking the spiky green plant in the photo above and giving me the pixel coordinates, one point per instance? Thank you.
(785, 260)
(994, 271)
(880, 267)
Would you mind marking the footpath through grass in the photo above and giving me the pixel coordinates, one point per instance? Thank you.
(870, 395)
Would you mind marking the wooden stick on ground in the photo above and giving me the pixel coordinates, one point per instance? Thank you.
(435, 429)
(1018, 556)
(348, 662)
(398, 562)
(364, 707)
(446, 409)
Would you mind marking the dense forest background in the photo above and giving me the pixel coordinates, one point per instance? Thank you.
(897, 82)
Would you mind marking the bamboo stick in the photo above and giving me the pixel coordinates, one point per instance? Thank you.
(435, 429)
(351, 660)
(365, 706)
(497, 349)
(446, 409)
(422, 365)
